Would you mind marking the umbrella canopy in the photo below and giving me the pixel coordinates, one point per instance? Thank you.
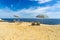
(42, 16)
(16, 16)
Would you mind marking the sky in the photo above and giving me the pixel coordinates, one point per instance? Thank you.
(29, 8)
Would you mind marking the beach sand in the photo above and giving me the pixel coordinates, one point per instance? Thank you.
(25, 31)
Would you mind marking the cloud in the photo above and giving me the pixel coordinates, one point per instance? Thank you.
(6, 13)
(51, 11)
(42, 1)
(54, 15)
(24, 13)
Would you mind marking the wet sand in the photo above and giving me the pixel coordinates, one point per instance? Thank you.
(25, 31)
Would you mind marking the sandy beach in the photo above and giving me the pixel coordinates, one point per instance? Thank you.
(25, 31)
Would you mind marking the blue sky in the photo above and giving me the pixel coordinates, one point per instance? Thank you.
(29, 8)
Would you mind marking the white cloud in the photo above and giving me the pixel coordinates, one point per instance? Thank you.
(51, 11)
(54, 15)
(6, 13)
(42, 1)
(26, 13)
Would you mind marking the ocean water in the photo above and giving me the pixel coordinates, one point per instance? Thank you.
(43, 21)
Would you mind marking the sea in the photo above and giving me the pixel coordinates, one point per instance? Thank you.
(42, 21)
